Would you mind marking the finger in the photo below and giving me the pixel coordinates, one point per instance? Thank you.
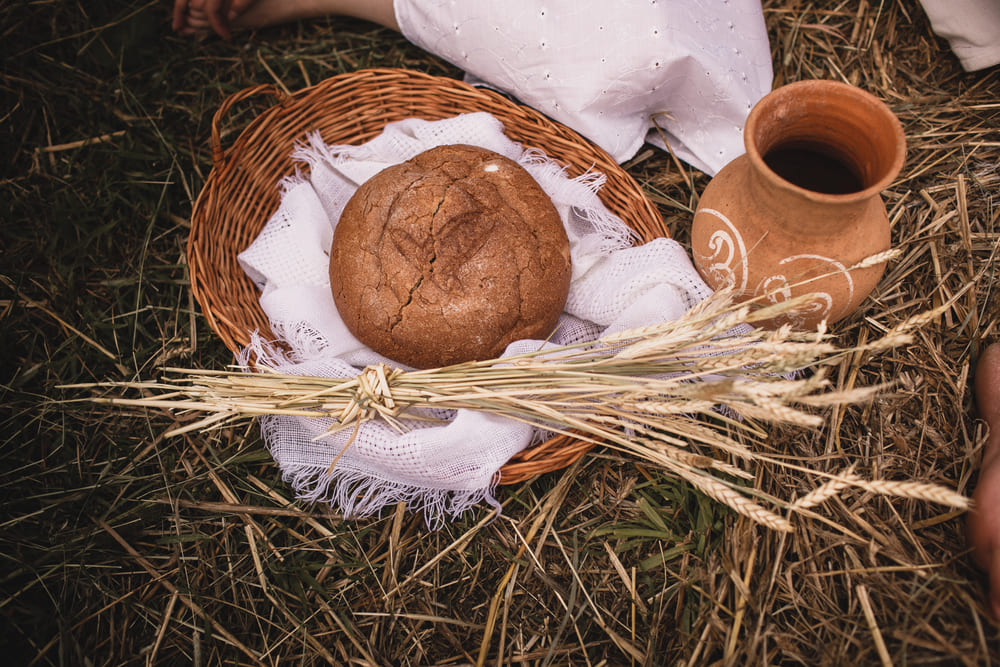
(979, 529)
(217, 11)
(994, 572)
(981, 550)
(987, 385)
(180, 14)
(197, 19)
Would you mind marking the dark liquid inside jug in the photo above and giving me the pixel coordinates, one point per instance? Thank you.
(813, 170)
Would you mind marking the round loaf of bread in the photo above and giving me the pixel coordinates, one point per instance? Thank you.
(449, 257)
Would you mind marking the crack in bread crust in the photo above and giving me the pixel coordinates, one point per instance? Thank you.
(449, 257)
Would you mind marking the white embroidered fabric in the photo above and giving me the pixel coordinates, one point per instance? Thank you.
(446, 468)
(613, 70)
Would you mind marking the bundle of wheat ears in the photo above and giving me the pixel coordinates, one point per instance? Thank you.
(688, 396)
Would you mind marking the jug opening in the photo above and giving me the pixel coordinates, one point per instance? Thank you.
(811, 167)
(842, 123)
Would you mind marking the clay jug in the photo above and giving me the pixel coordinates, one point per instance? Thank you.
(802, 207)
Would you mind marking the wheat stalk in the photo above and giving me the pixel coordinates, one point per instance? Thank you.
(660, 393)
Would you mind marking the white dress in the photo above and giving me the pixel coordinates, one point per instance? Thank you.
(686, 72)
(972, 28)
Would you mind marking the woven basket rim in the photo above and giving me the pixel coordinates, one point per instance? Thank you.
(350, 108)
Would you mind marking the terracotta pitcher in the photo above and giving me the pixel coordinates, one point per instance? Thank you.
(802, 206)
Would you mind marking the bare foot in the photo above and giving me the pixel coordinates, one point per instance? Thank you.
(223, 17)
(984, 519)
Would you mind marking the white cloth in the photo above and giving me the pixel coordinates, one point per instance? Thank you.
(972, 28)
(443, 469)
(613, 70)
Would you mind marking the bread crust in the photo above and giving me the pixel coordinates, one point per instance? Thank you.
(449, 257)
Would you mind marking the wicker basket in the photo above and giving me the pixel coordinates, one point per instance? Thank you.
(241, 192)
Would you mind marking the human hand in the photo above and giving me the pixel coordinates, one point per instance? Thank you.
(983, 522)
(200, 16)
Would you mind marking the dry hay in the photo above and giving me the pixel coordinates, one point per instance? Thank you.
(125, 549)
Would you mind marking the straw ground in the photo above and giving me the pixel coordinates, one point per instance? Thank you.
(122, 547)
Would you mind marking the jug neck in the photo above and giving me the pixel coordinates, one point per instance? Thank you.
(819, 214)
(822, 146)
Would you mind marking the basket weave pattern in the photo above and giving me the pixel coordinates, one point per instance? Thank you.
(241, 192)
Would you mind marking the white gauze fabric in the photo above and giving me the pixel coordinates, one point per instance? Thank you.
(441, 468)
(613, 71)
